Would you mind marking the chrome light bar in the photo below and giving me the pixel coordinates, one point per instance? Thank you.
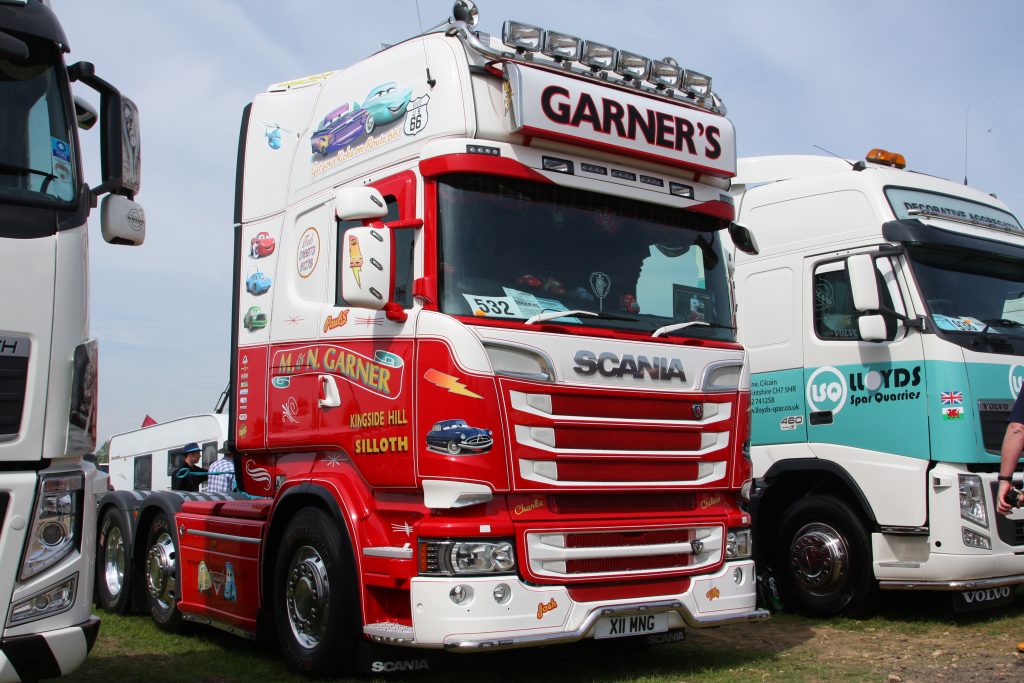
(533, 44)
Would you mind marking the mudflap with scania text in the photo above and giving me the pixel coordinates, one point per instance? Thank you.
(982, 598)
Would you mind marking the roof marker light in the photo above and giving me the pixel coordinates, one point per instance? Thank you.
(680, 190)
(522, 37)
(623, 175)
(593, 168)
(483, 149)
(881, 156)
(633, 66)
(598, 56)
(697, 84)
(561, 46)
(557, 165)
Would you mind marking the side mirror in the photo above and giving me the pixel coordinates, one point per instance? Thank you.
(367, 278)
(872, 328)
(743, 239)
(359, 203)
(863, 282)
(85, 114)
(119, 134)
(122, 221)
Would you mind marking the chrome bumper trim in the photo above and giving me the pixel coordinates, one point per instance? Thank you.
(966, 584)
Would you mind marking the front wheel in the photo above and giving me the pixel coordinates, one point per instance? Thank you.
(113, 577)
(316, 608)
(454, 448)
(161, 574)
(824, 558)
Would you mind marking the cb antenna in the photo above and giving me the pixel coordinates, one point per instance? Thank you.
(430, 81)
(831, 153)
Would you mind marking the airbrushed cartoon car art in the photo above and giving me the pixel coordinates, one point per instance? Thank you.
(258, 283)
(386, 104)
(261, 245)
(455, 436)
(255, 319)
(340, 127)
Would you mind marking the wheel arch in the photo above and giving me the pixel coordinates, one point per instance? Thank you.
(787, 481)
(302, 496)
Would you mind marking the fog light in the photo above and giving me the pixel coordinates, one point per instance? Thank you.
(502, 593)
(461, 595)
(58, 598)
(561, 47)
(557, 165)
(522, 36)
(633, 66)
(598, 56)
(680, 190)
(972, 539)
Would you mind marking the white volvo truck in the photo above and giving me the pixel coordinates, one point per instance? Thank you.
(884, 316)
(48, 369)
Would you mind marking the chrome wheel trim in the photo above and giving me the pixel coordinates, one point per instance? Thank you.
(819, 558)
(161, 572)
(113, 562)
(307, 597)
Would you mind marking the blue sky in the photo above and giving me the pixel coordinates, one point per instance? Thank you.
(920, 77)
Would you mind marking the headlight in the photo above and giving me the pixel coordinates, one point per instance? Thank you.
(972, 500)
(738, 544)
(55, 529)
(451, 558)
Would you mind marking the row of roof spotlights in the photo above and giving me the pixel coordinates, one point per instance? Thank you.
(663, 74)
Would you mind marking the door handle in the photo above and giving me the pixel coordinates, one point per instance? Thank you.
(329, 389)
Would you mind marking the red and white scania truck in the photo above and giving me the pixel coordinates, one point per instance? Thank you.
(48, 362)
(487, 392)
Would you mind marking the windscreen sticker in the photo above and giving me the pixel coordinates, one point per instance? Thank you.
(530, 305)
(60, 154)
(959, 324)
(493, 306)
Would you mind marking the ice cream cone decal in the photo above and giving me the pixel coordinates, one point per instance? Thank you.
(355, 258)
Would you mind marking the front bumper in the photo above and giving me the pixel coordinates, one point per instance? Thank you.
(49, 654)
(546, 615)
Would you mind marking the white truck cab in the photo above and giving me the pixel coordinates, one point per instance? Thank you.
(884, 316)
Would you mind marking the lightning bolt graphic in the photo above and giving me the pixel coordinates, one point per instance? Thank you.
(452, 384)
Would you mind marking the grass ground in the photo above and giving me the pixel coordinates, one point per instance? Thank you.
(913, 637)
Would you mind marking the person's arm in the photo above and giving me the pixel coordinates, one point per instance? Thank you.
(1013, 444)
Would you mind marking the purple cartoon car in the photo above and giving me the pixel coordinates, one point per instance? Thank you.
(340, 127)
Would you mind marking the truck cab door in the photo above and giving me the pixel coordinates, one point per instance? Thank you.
(866, 401)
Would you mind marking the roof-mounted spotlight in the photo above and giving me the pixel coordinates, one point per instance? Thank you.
(466, 12)
(522, 37)
(696, 84)
(666, 73)
(562, 47)
(599, 57)
(632, 66)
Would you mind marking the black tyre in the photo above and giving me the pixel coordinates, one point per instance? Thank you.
(316, 603)
(160, 572)
(824, 559)
(113, 570)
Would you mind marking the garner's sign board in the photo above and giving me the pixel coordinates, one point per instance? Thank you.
(581, 111)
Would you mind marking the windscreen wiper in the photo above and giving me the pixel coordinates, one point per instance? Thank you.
(669, 329)
(11, 168)
(551, 315)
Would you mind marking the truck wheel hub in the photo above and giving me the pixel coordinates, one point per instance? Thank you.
(819, 558)
(160, 569)
(307, 593)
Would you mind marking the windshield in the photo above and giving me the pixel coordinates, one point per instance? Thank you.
(37, 164)
(971, 292)
(512, 249)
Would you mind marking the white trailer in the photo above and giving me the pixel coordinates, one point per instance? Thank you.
(146, 459)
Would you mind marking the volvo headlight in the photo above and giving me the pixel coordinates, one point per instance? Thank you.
(466, 557)
(56, 522)
(972, 500)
